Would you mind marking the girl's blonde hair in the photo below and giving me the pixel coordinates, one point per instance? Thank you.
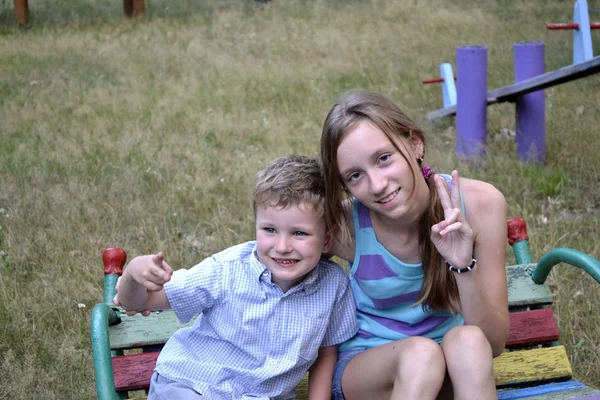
(439, 291)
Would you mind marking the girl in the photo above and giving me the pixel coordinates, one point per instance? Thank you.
(417, 281)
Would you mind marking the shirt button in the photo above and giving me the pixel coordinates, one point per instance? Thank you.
(265, 273)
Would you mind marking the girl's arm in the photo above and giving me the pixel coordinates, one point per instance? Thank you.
(483, 291)
(320, 375)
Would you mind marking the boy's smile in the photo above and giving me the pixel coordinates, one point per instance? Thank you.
(290, 242)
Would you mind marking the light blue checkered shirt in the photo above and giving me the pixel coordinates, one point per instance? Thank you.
(252, 340)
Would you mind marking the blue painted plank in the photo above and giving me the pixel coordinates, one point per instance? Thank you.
(537, 390)
(571, 389)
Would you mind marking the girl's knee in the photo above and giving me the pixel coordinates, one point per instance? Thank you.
(420, 352)
(466, 342)
(465, 335)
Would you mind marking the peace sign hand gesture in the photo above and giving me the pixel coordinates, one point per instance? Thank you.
(452, 237)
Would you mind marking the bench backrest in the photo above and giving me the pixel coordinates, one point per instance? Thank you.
(126, 348)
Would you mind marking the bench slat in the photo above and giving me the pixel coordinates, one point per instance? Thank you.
(522, 291)
(557, 391)
(133, 371)
(138, 331)
(529, 327)
(530, 366)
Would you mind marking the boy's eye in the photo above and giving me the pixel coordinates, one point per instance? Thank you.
(300, 233)
(269, 230)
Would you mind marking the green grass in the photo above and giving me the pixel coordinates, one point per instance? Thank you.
(147, 134)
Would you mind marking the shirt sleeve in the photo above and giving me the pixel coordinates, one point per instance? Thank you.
(191, 291)
(342, 324)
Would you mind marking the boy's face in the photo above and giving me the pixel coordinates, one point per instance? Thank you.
(290, 241)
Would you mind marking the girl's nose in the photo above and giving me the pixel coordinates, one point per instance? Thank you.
(377, 183)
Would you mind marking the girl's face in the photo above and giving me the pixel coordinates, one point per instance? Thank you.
(376, 173)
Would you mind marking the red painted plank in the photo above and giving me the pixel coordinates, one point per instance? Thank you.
(133, 371)
(534, 326)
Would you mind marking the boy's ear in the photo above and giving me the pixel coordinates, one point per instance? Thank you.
(329, 237)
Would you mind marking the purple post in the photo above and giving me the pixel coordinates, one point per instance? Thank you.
(531, 107)
(471, 105)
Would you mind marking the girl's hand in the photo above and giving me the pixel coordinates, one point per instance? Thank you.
(453, 237)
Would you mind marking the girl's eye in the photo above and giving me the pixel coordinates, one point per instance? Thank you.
(353, 177)
(384, 158)
(300, 233)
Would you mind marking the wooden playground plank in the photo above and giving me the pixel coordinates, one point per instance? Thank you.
(549, 79)
(535, 326)
(557, 391)
(530, 366)
(522, 291)
(138, 331)
(133, 372)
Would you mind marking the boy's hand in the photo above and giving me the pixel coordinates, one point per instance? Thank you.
(153, 273)
(146, 273)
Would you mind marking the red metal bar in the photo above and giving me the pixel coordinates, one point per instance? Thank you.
(433, 80)
(572, 25)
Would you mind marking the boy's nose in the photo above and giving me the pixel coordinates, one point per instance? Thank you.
(283, 245)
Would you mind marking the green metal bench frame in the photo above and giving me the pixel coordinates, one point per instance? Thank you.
(534, 364)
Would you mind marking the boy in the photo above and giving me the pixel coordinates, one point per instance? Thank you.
(271, 308)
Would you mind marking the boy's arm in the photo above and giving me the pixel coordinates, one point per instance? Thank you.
(140, 288)
(320, 375)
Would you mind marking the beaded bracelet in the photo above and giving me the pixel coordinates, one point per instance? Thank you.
(461, 270)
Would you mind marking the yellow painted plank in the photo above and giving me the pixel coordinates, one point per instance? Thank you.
(526, 366)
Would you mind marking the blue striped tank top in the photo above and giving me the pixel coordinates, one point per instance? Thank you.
(385, 290)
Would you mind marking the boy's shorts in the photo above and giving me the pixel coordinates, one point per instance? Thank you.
(343, 360)
(162, 388)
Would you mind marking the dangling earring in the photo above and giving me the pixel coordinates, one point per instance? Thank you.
(425, 169)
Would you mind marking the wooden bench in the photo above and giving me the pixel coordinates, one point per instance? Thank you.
(131, 8)
(534, 364)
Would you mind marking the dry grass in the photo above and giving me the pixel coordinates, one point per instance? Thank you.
(146, 135)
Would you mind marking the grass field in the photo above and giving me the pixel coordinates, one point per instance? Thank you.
(147, 134)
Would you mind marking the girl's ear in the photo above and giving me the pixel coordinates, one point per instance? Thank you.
(418, 144)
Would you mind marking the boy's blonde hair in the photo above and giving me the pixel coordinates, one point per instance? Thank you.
(290, 180)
